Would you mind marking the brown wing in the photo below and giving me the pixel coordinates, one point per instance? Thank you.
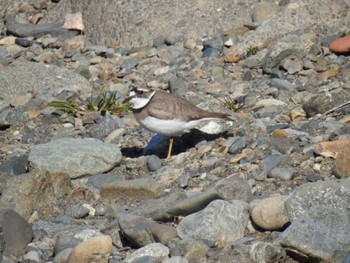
(167, 106)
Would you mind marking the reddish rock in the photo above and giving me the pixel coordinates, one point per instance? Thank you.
(340, 45)
(342, 163)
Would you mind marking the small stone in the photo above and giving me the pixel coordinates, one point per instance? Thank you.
(232, 58)
(174, 37)
(96, 249)
(32, 257)
(340, 45)
(96, 60)
(270, 214)
(284, 174)
(161, 70)
(272, 161)
(190, 44)
(10, 40)
(141, 231)
(292, 66)
(282, 84)
(23, 42)
(77, 211)
(62, 256)
(153, 163)
(279, 133)
(74, 21)
(155, 250)
(20, 100)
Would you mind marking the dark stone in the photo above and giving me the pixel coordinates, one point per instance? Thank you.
(211, 53)
(23, 42)
(272, 161)
(39, 30)
(15, 165)
(64, 242)
(216, 43)
(237, 145)
(16, 232)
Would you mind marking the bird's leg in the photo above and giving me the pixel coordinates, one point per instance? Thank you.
(171, 141)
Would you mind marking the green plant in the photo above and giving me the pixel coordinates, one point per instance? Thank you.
(103, 102)
(252, 50)
(231, 104)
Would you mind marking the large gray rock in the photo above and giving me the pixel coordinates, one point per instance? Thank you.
(21, 78)
(320, 218)
(35, 191)
(322, 234)
(332, 194)
(133, 23)
(219, 221)
(76, 157)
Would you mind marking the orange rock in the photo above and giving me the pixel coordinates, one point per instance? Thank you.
(279, 133)
(33, 113)
(232, 58)
(340, 45)
(330, 149)
(244, 115)
(342, 163)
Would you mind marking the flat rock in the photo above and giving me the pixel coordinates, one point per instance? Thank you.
(270, 214)
(52, 79)
(96, 249)
(16, 232)
(76, 157)
(136, 189)
(38, 30)
(220, 220)
(141, 231)
(186, 206)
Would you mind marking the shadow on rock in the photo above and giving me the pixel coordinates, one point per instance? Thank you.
(159, 144)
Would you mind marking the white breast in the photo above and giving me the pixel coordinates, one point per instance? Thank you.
(170, 127)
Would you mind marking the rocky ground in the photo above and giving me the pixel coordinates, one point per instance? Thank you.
(93, 186)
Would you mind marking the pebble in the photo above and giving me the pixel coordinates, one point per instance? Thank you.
(155, 250)
(340, 45)
(270, 214)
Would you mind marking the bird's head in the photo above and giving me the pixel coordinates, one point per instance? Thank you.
(139, 97)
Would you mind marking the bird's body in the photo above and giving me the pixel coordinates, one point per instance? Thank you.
(169, 115)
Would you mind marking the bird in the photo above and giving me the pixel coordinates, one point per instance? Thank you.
(167, 114)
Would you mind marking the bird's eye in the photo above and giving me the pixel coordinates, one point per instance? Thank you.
(141, 92)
